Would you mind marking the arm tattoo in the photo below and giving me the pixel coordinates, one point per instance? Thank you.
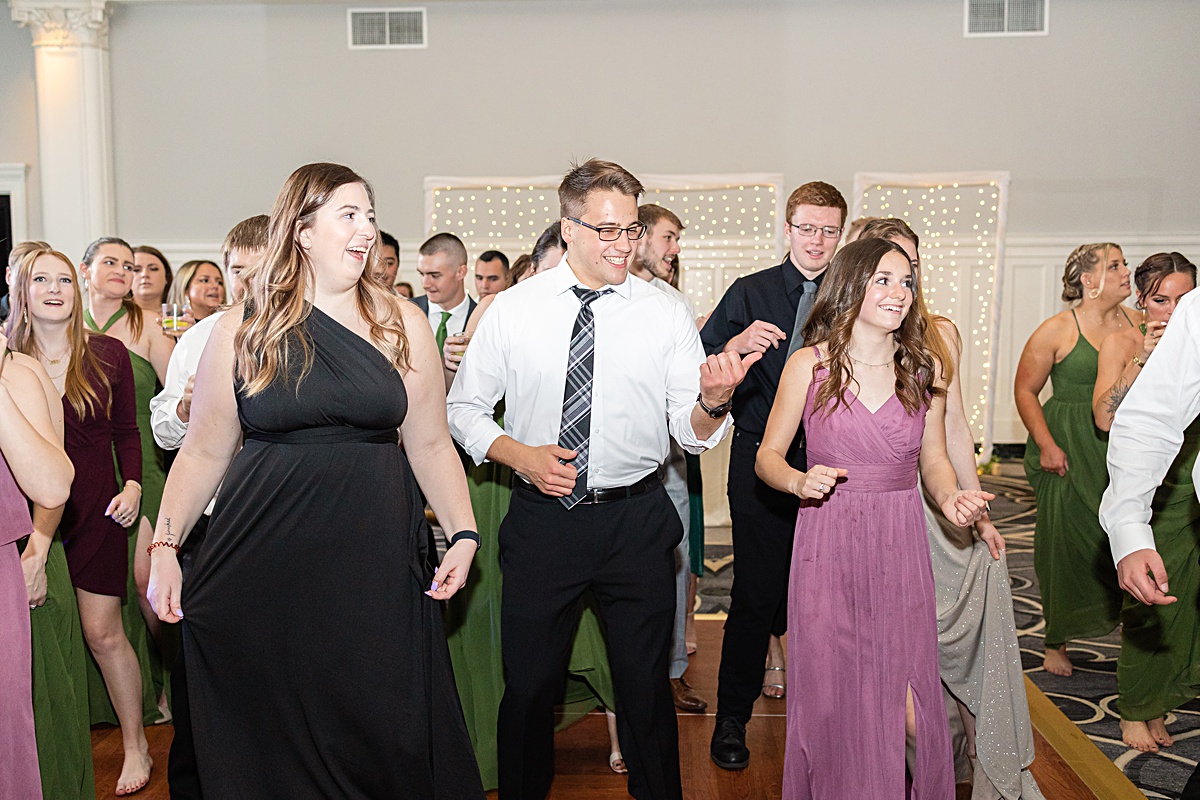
(171, 536)
(1115, 395)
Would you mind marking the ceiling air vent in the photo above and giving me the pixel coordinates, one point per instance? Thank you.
(386, 28)
(1006, 17)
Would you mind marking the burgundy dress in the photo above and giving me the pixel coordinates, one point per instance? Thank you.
(20, 778)
(862, 622)
(97, 547)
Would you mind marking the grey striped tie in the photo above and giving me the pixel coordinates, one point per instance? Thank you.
(576, 425)
(803, 309)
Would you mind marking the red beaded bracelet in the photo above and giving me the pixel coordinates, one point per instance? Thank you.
(150, 549)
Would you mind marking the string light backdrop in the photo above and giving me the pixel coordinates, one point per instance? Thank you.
(731, 221)
(960, 218)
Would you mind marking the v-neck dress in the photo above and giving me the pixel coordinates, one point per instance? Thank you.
(140, 388)
(1071, 556)
(862, 620)
(316, 664)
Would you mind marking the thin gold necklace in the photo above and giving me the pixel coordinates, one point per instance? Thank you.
(865, 364)
(50, 360)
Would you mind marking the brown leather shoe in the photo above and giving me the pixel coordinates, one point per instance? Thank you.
(685, 698)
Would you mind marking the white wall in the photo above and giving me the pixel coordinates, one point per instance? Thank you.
(215, 104)
(18, 112)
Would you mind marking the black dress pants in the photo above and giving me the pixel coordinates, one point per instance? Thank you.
(183, 776)
(764, 523)
(624, 552)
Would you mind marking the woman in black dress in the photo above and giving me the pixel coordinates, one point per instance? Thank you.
(316, 657)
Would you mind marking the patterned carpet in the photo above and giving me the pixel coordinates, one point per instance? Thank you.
(1088, 697)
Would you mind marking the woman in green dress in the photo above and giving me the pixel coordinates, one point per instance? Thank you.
(1159, 665)
(1065, 454)
(473, 615)
(108, 269)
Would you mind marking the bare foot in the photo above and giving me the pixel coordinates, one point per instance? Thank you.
(1057, 663)
(135, 773)
(1158, 729)
(1137, 735)
(164, 710)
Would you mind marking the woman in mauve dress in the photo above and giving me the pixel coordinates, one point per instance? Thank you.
(861, 609)
(95, 379)
(32, 466)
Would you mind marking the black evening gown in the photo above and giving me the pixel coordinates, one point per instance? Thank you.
(317, 666)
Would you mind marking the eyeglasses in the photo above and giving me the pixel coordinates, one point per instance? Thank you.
(610, 233)
(829, 232)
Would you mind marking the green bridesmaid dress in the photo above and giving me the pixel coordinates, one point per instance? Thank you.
(1159, 666)
(153, 479)
(1071, 556)
(61, 718)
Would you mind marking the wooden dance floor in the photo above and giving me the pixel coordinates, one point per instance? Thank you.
(1068, 765)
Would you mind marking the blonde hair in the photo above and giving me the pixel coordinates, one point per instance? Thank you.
(277, 285)
(1084, 259)
(184, 278)
(77, 387)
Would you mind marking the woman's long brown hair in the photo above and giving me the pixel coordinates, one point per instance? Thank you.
(132, 309)
(79, 391)
(277, 287)
(832, 321)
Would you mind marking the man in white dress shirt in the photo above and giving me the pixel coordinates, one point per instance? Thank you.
(651, 261)
(442, 263)
(592, 514)
(170, 412)
(1146, 435)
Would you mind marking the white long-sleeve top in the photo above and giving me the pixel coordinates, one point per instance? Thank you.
(646, 375)
(1147, 430)
(168, 429)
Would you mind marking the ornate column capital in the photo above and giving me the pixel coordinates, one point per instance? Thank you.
(64, 23)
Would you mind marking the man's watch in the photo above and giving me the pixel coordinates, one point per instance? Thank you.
(715, 413)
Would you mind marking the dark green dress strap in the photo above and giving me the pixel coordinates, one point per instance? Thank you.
(91, 322)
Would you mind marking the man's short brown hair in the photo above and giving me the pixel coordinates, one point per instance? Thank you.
(651, 214)
(816, 193)
(594, 175)
(446, 243)
(249, 234)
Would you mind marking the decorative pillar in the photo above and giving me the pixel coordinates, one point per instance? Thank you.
(70, 39)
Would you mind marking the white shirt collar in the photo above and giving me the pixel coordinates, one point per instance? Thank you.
(565, 279)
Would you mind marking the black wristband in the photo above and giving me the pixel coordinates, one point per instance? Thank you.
(472, 535)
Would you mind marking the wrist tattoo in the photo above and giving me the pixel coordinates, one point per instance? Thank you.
(1115, 395)
(170, 535)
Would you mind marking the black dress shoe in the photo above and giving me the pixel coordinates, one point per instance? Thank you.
(728, 748)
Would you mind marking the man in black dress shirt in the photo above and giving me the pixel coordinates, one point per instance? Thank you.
(759, 313)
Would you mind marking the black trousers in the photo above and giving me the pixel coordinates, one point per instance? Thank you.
(624, 552)
(764, 523)
(183, 776)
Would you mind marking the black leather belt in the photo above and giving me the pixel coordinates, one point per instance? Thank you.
(596, 496)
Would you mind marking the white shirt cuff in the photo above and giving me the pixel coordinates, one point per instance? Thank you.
(1129, 538)
(168, 429)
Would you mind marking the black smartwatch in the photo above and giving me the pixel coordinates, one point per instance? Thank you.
(715, 413)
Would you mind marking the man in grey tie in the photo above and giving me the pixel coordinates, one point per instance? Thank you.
(764, 313)
(597, 372)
